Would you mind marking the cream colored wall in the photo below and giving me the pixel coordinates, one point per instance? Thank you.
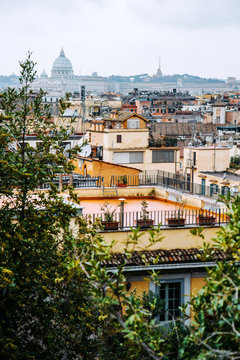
(219, 181)
(207, 118)
(205, 160)
(169, 167)
(234, 151)
(122, 192)
(114, 104)
(147, 161)
(172, 239)
(67, 122)
(131, 139)
(96, 138)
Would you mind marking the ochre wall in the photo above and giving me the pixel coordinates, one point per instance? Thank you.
(97, 168)
(140, 286)
(107, 170)
(196, 284)
(142, 123)
(172, 239)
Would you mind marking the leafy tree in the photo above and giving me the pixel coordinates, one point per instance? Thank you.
(57, 299)
(215, 332)
(45, 306)
(235, 162)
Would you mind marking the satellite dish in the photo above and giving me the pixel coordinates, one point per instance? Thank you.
(80, 142)
(66, 148)
(13, 146)
(85, 151)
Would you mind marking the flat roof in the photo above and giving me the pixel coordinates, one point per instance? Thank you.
(225, 175)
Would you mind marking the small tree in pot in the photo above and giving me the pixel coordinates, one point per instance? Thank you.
(177, 216)
(122, 182)
(206, 217)
(144, 221)
(109, 222)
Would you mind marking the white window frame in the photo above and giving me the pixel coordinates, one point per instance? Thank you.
(133, 123)
(185, 291)
(126, 157)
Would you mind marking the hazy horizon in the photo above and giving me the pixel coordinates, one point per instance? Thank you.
(124, 37)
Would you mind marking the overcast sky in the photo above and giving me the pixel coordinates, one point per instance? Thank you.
(198, 37)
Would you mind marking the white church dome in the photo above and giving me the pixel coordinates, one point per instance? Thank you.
(62, 67)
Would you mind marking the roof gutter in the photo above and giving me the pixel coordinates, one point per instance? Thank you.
(164, 266)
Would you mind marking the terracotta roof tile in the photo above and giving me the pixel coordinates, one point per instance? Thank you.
(163, 256)
(181, 129)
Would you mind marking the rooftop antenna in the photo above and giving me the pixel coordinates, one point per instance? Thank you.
(83, 98)
(82, 102)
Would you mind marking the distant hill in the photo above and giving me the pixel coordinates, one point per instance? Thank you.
(185, 78)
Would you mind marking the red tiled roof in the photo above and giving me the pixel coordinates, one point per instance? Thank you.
(163, 257)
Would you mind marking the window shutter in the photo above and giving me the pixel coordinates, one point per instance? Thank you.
(121, 157)
(162, 156)
(136, 157)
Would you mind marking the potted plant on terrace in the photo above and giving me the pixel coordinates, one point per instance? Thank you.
(205, 218)
(144, 221)
(122, 181)
(108, 222)
(177, 216)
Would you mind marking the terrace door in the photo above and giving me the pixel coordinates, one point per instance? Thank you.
(203, 187)
(188, 182)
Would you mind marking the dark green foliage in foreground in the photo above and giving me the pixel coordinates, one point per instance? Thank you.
(57, 301)
(53, 300)
(46, 305)
(235, 162)
(216, 328)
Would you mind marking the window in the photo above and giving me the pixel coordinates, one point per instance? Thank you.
(121, 158)
(119, 138)
(133, 123)
(170, 293)
(135, 157)
(89, 137)
(213, 189)
(225, 190)
(174, 291)
(161, 156)
(80, 163)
